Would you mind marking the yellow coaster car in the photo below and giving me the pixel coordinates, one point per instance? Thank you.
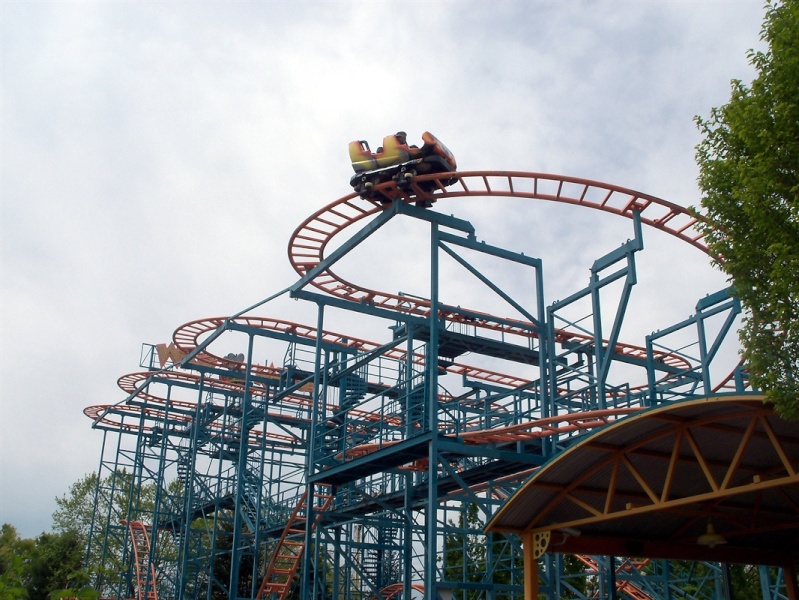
(396, 160)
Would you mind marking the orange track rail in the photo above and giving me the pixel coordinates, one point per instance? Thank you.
(145, 570)
(308, 242)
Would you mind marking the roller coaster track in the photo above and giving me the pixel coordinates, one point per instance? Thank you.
(307, 251)
(521, 432)
(188, 336)
(309, 241)
(287, 555)
(145, 570)
(112, 416)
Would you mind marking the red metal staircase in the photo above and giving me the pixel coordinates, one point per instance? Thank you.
(288, 552)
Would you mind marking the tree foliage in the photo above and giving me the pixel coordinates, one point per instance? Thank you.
(55, 564)
(748, 160)
(51, 566)
(13, 563)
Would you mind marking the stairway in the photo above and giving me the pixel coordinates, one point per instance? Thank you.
(288, 553)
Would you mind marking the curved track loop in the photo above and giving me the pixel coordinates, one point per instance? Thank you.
(151, 421)
(309, 241)
(189, 336)
(307, 249)
(126, 417)
(160, 411)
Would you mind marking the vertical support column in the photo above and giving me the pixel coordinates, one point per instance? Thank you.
(317, 416)
(431, 403)
(666, 566)
(534, 545)
(262, 462)
(703, 355)
(241, 483)
(600, 400)
(186, 517)
(650, 371)
(160, 480)
(613, 593)
(93, 528)
(336, 563)
(546, 353)
(407, 547)
(548, 401)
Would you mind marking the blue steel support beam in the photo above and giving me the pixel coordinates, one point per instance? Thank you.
(375, 224)
(536, 263)
(626, 252)
(722, 301)
(603, 354)
(407, 554)
(435, 217)
(188, 512)
(241, 467)
(431, 404)
(718, 303)
(317, 420)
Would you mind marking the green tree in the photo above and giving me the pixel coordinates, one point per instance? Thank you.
(12, 585)
(95, 514)
(75, 508)
(14, 559)
(748, 160)
(55, 563)
(42, 569)
(12, 547)
(86, 505)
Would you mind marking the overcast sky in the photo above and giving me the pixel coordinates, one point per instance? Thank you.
(156, 157)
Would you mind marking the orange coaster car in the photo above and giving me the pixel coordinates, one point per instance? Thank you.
(396, 160)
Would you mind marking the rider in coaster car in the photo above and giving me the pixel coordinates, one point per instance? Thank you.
(402, 139)
(395, 150)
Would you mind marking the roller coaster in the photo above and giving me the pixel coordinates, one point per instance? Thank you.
(261, 457)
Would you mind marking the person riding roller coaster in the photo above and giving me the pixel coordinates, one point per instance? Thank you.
(396, 160)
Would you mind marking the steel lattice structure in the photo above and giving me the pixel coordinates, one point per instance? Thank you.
(312, 463)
